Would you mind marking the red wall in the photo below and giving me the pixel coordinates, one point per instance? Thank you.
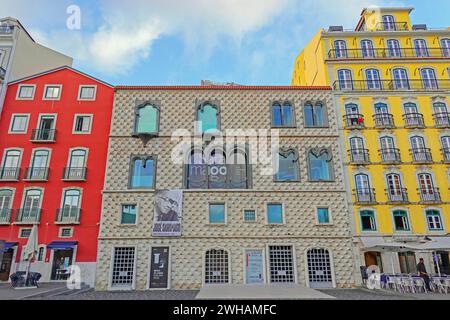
(86, 233)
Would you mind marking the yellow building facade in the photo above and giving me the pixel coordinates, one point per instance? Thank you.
(391, 81)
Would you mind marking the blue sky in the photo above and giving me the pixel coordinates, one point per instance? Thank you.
(174, 42)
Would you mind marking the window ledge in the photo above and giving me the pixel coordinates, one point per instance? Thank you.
(325, 225)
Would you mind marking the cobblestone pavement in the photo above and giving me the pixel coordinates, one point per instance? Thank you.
(340, 294)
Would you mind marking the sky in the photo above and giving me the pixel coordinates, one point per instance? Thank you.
(181, 42)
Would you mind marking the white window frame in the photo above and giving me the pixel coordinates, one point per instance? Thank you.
(60, 234)
(47, 86)
(20, 88)
(63, 196)
(249, 209)
(330, 216)
(75, 118)
(80, 89)
(13, 116)
(44, 253)
(283, 213)
(21, 230)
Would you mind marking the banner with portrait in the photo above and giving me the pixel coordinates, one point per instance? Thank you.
(168, 213)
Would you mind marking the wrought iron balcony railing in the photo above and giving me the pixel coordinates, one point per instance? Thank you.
(442, 120)
(359, 156)
(446, 154)
(390, 155)
(354, 121)
(43, 135)
(364, 195)
(388, 53)
(397, 195)
(392, 85)
(430, 195)
(36, 174)
(384, 120)
(421, 155)
(414, 120)
(5, 216)
(68, 215)
(28, 215)
(392, 26)
(9, 174)
(74, 174)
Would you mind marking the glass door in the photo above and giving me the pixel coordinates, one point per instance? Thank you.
(373, 79)
(254, 267)
(401, 78)
(429, 78)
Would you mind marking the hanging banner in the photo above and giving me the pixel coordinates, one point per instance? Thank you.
(168, 213)
(159, 268)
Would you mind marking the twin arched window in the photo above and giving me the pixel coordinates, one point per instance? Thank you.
(283, 115)
(314, 115)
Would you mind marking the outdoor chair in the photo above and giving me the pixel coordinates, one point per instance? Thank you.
(419, 285)
(398, 284)
(408, 284)
(390, 282)
(18, 279)
(446, 285)
(437, 285)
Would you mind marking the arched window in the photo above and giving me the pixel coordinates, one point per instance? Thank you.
(394, 48)
(31, 210)
(389, 23)
(446, 148)
(367, 49)
(142, 173)
(216, 267)
(208, 117)
(238, 167)
(373, 79)
(429, 79)
(420, 45)
(428, 193)
(10, 168)
(345, 79)
(395, 189)
(441, 114)
(314, 115)
(401, 80)
(282, 115)
(147, 119)
(319, 161)
(445, 45)
(340, 49)
(6, 199)
(319, 269)
(217, 170)
(358, 152)
(39, 165)
(70, 205)
(363, 192)
(287, 166)
(419, 150)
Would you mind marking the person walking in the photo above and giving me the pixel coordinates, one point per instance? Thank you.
(423, 273)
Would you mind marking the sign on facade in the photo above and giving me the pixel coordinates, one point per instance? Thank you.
(168, 213)
(159, 268)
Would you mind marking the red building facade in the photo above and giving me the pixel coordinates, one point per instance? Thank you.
(53, 150)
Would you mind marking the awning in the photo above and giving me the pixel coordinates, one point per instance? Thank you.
(436, 243)
(380, 244)
(9, 245)
(62, 245)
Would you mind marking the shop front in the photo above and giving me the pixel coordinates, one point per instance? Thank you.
(62, 257)
(7, 254)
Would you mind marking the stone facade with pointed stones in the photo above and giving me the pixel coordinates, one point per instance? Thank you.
(311, 243)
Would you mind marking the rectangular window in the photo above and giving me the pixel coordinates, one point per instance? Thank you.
(19, 124)
(275, 213)
(401, 221)
(24, 233)
(249, 215)
(123, 267)
(128, 214)
(52, 92)
(82, 124)
(368, 221)
(65, 233)
(434, 221)
(143, 174)
(25, 92)
(87, 93)
(323, 216)
(217, 213)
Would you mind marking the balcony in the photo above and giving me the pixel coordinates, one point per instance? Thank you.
(384, 121)
(390, 156)
(9, 174)
(387, 53)
(392, 26)
(442, 120)
(359, 156)
(43, 136)
(429, 196)
(421, 155)
(354, 121)
(28, 216)
(5, 29)
(74, 174)
(392, 85)
(36, 174)
(446, 154)
(365, 196)
(68, 216)
(397, 196)
(5, 216)
(414, 120)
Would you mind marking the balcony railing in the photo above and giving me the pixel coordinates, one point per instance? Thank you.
(74, 174)
(364, 196)
(398, 195)
(68, 216)
(36, 174)
(354, 121)
(421, 155)
(28, 215)
(392, 26)
(359, 156)
(442, 120)
(431, 195)
(390, 155)
(5, 29)
(414, 120)
(446, 154)
(43, 135)
(384, 120)
(5, 216)
(388, 53)
(9, 174)
(391, 85)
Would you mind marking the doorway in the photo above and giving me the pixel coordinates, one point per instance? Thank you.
(408, 263)
(254, 267)
(6, 263)
(62, 260)
(373, 259)
(319, 269)
(442, 258)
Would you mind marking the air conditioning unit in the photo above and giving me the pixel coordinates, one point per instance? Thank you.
(417, 27)
(336, 29)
